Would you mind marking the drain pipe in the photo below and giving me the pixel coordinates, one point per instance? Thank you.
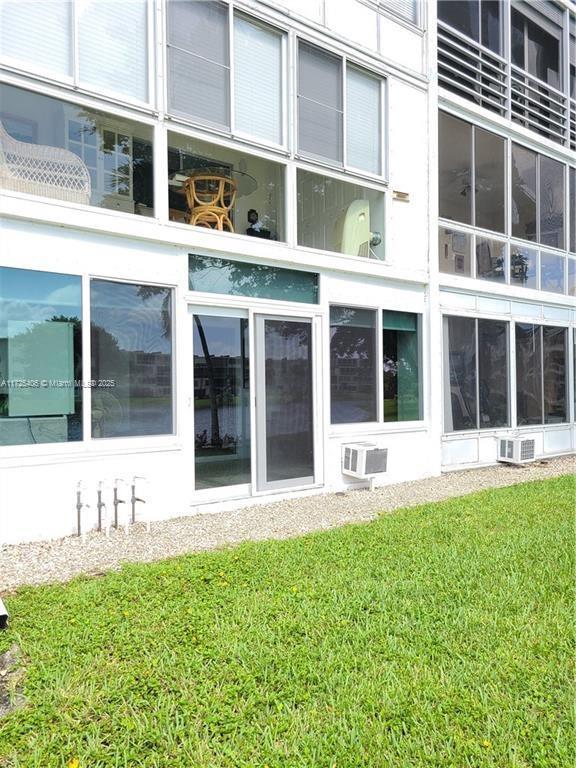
(79, 506)
(117, 481)
(134, 499)
(100, 505)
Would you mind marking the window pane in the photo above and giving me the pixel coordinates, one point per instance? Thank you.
(221, 401)
(490, 259)
(363, 127)
(459, 374)
(40, 341)
(490, 180)
(493, 373)
(491, 30)
(336, 216)
(528, 374)
(401, 366)
(107, 162)
(572, 277)
(555, 381)
(131, 337)
(572, 209)
(552, 272)
(454, 252)
(113, 39)
(523, 266)
(196, 171)
(460, 14)
(208, 274)
(543, 54)
(455, 168)
(199, 61)
(39, 34)
(352, 365)
(258, 63)
(523, 193)
(320, 116)
(551, 202)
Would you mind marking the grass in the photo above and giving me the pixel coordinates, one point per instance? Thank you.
(436, 636)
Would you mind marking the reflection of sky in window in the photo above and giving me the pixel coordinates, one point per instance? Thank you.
(134, 317)
(30, 297)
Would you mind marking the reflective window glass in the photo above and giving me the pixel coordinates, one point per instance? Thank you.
(528, 374)
(490, 185)
(352, 365)
(523, 192)
(454, 252)
(572, 209)
(401, 366)
(572, 277)
(551, 202)
(460, 407)
(493, 408)
(463, 15)
(555, 375)
(131, 348)
(455, 168)
(40, 357)
(490, 259)
(552, 272)
(221, 401)
(523, 266)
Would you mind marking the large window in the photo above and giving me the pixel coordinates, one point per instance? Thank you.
(59, 150)
(322, 111)
(401, 366)
(478, 19)
(353, 376)
(541, 377)
(471, 191)
(100, 44)
(338, 216)
(131, 349)
(200, 69)
(221, 401)
(475, 374)
(219, 188)
(40, 357)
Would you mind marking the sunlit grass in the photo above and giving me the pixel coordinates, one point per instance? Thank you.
(436, 636)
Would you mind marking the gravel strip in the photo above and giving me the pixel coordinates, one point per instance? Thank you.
(61, 560)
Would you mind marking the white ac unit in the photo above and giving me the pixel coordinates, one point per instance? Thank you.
(363, 460)
(516, 450)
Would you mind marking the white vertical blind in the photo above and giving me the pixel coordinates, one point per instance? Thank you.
(113, 45)
(258, 80)
(38, 33)
(363, 129)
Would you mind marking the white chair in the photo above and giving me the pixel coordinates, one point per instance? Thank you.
(41, 170)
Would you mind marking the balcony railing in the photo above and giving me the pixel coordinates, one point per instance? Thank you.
(473, 72)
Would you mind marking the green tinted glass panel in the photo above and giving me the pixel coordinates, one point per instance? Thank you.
(401, 359)
(40, 357)
(399, 321)
(234, 278)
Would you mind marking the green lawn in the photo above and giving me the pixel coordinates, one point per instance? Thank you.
(436, 636)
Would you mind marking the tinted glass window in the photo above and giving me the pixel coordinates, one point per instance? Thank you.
(493, 373)
(554, 367)
(528, 374)
(551, 202)
(454, 252)
(352, 365)
(455, 168)
(401, 357)
(490, 183)
(40, 357)
(490, 259)
(491, 34)
(459, 374)
(131, 339)
(523, 193)
(523, 266)
(463, 15)
(552, 272)
(535, 49)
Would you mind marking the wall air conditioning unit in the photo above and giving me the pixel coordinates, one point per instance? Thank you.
(516, 450)
(363, 460)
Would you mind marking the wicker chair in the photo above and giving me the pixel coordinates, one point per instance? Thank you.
(42, 170)
(210, 199)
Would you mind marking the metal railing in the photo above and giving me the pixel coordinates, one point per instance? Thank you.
(477, 74)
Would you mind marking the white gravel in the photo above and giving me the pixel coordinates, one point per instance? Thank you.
(61, 560)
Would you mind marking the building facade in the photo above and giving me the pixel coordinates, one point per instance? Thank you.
(236, 236)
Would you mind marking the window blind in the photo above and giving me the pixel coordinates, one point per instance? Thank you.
(320, 114)
(113, 45)
(258, 80)
(39, 34)
(363, 128)
(199, 60)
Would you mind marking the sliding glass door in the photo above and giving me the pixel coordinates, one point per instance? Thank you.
(285, 407)
(221, 401)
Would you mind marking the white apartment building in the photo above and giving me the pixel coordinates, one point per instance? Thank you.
(236, 236)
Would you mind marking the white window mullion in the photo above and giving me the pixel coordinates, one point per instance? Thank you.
(75, 45)
(344, 112)
(86, 362)
(232, 67)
